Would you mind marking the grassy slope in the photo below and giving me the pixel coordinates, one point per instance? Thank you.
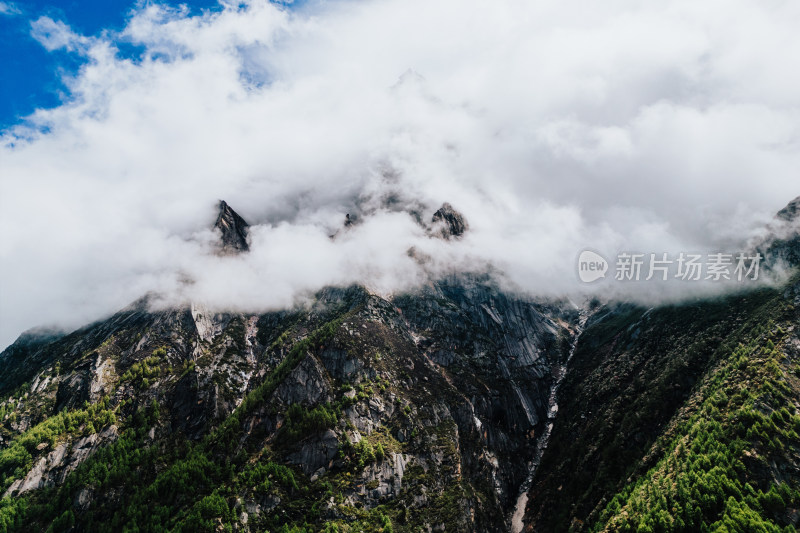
(667, 413)
(730, 460)
(632, 371)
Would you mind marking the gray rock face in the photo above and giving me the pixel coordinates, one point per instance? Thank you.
(382, 480)
(233, 229)
(74, 390)
(102, 376)
(340, 365)
(84, 499)
(498, 352)
(306, 385)
(316, 453)
(449, 223)
(208, 326)
(53, 469)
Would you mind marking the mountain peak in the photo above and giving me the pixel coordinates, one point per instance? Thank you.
(791, 211)
(449, 222)
(233, 228)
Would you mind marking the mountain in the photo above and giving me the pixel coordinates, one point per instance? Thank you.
(232, 228)
(449, 222)
(680, 418)
(782, 244)
(791, 212)
(455, 407)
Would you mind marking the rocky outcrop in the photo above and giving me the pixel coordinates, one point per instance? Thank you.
(306, 385)
(448, 223)
(53, 469)
(316, 454)
(73, 390)
(233, 229)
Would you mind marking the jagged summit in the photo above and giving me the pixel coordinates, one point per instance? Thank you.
(448, 222)
(233, 228)
(780, 247)
(791, 211)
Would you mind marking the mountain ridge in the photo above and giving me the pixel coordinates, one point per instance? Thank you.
(422, 411)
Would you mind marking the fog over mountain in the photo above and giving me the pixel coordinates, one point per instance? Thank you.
(551, 126)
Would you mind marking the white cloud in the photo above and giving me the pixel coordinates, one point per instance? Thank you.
(553, 126)
(9, 8)
(54, 35)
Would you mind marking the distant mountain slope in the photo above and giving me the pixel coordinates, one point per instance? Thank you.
(702, 395)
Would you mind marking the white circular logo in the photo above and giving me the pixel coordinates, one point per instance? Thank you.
(591, 266)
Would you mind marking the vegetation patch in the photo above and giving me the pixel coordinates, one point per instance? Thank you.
(705, 481)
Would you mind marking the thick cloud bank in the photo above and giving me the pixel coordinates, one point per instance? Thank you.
(553, 126)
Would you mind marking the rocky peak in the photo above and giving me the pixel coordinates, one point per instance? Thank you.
(791, 212)
(785, 246)
(233, 228)
(781, 245)
(448, 222)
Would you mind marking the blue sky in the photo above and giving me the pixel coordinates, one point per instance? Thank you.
(30, 76)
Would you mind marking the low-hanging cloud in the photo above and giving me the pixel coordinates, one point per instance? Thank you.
(553, 126)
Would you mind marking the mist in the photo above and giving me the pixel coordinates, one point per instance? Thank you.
(552, 126)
